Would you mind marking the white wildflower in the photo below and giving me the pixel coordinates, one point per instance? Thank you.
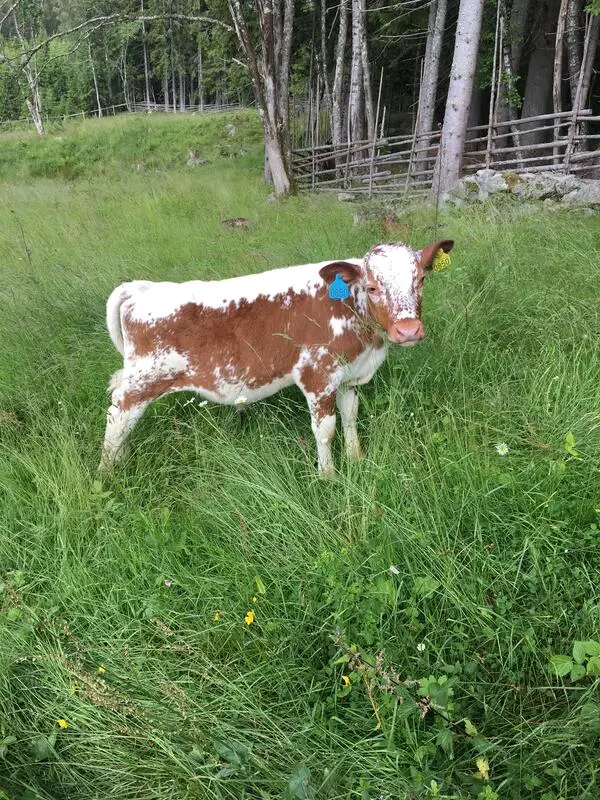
(421, 647)
(502, 449)
(394, 570)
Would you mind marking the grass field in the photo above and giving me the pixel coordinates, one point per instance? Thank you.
(123, 607)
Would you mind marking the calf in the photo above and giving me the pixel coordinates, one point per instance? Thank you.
(242, 339)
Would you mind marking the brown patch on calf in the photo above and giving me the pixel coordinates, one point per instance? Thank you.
(258, 341)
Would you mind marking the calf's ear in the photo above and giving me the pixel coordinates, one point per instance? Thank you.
(349, 272)
(428, 253)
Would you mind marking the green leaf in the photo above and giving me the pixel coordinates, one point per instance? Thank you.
(561, 665)
(342, 660)
(445, 740)
(569, 445)
(16, 579)
(590, 716)
(260, 587)
(4, 744)
(577, 672)
(233, 752)
(579, 652)
(593, 666)
(592, 648)
(42, 747)
(470, 729)
(299, 785)
(227, 772)
(582, 649)
(425, 586)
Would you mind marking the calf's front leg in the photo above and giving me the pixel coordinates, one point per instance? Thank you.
(322, 418)
(347, 403)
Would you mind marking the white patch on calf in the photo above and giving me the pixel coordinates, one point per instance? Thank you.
(395, 268)
(164, 299)
(339, 324)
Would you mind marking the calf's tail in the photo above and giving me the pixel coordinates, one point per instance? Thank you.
(113, 315)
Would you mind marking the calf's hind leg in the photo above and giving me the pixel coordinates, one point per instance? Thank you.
(121, 418)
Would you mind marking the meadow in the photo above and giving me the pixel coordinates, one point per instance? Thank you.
(424, 625)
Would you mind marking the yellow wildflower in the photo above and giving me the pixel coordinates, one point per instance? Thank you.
(254, 599)
(483, 768)
(249, 618)
(101, 669)
(63, 723)
(73, 689)
(346, 680)
(217, 616)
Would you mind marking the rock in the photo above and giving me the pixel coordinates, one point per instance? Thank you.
(231, 130)
(346, 197)
(587, 194)
(194, 161)
(236, 222)
(489, 182)
(450, 198)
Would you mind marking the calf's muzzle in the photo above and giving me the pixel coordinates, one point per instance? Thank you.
(406, 331)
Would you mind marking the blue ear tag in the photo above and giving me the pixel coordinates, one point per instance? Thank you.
(338, 288)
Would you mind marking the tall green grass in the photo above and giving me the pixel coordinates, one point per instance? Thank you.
(149, 579)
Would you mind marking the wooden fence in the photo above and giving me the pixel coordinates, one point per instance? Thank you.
(405, 164)
(124, 108)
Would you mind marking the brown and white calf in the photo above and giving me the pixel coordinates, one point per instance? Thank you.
(242, 339)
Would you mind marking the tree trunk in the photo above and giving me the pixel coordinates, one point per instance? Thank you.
(557, 72)
(573, 45)
(429, 83)
(34, 102)
(324, 65)
(590, 46)
(166, 92)
(338, 80)
(270, 81)
(181, 91)
(98, 104)
(517, 26)
(366, 71)
(200, 79)
(464, 62)
(538, 87)
(356, 79)
(146, 71)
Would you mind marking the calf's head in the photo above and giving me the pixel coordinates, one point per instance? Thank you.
(392, 276)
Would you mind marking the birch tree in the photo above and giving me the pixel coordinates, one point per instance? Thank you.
(356, 79)
(269, 67)
(338, 79)
(429, 81)
(462, 74)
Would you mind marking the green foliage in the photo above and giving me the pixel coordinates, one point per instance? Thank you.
(468, 569)
(135, 143)
(585, 661)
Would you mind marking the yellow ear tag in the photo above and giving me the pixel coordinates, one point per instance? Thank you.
(441, 261)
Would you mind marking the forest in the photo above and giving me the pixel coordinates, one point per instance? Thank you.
(347, 67)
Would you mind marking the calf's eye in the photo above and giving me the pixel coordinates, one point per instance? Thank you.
(371, 289)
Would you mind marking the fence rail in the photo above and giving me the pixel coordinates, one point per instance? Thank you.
(405, 164)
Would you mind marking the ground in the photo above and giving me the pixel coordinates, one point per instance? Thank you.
(464, 546)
